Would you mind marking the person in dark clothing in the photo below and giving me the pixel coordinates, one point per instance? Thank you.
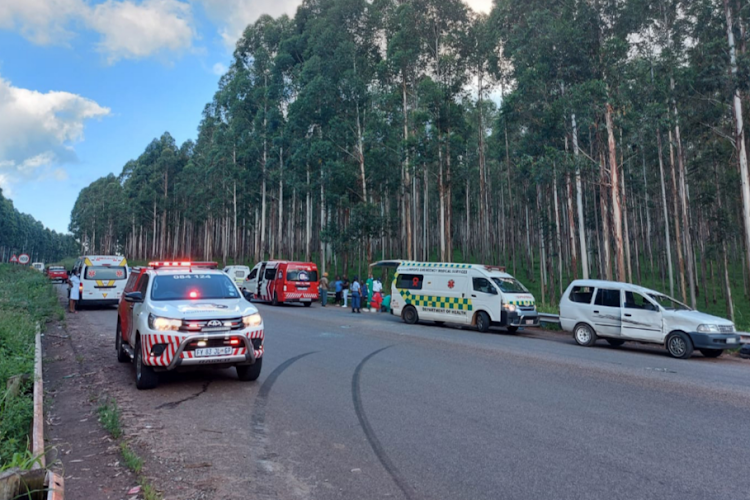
(356, 297)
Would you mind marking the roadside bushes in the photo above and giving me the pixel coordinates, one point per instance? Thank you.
(26, 299)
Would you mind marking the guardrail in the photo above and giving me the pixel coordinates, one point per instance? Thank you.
(549, 318)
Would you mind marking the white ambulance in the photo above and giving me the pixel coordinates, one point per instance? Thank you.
(469, 294)
(103, 278)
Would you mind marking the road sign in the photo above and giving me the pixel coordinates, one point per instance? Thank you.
(14, 259)
(23, 259)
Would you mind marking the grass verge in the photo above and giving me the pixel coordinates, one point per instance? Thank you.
(26, 299)
(109, 416)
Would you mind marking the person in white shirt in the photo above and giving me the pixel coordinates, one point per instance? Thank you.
(75, 291)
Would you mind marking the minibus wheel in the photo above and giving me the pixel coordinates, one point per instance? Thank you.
(584, 335)
(483, 321)
(410, 315)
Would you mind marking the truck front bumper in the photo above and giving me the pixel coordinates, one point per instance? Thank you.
(715, 340)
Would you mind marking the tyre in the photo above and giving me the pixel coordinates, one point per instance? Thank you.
(275, 300)
(248, 373)
(512, 329)
(679, 345)
(584, 335)
(409, 315)
(615, 342)
(483, 321)
(122, 356)
(711, 353)
(308, 304)
(145, 376)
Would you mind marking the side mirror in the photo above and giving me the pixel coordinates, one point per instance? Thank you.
(134, 297)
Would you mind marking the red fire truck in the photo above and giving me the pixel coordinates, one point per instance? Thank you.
(280, 281)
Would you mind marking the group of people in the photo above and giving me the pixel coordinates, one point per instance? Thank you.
(368, 292)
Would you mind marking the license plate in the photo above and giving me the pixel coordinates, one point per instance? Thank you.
(305, 300)
(213, 351)
(731, 341)
(529, 321)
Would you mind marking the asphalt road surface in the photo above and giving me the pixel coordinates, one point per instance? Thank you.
(365, 407)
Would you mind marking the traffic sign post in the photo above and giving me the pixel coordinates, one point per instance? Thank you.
(14, 259)
(23, 259)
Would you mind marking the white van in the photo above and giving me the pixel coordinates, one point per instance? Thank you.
(39, 266)
(238, 274)
(620, 311)
(469, 294)
(103, 278)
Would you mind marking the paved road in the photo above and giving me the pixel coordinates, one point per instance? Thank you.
(364, 406)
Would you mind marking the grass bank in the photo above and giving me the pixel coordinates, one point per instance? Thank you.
(26, 299)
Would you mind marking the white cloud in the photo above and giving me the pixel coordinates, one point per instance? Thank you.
(38, 130)
(128, 28)
(233, 16)
(219, 69)
(484, 6)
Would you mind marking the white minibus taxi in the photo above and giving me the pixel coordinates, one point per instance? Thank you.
(469, 294)
(103, 278)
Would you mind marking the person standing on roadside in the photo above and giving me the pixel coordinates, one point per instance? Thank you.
(369, 291)
(323, 288)
(345, 287)
(339, 285)
(356, 287)
(75, 291)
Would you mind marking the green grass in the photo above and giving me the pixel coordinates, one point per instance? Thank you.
(132, 461)
(26, 299)
(109, 416)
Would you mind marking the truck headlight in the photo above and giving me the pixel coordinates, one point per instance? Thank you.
(509, 307)
(163, 324)
(708, 328)
(252, 320)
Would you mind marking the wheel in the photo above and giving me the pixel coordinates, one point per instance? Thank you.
(483, 321)
(711, 353)
(145, 376)
(679, 345)
(410, 315)
(275, 300)
(122, 356)
(615, 342)
(584, 335)
(439, 323)
(512, 329)
(248, 373)
(308, 304)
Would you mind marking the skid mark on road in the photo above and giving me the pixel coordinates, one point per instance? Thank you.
(375, 444)
(174, 404)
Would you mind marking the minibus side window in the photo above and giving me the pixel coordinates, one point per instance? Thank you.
(253, 274)
(270, 273)
(607, 298)
(410, 281)
(483, 285)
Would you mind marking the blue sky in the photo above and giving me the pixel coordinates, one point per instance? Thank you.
(86, 85)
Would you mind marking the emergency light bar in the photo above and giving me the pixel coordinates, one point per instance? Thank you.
(210, 265)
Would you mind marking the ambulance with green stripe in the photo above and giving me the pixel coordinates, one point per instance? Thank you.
(469, 294)
(103, 278)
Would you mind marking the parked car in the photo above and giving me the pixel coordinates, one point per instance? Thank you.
(238, 274)
(39, 266)
(618, 312)
(280, 282)
(57, 273)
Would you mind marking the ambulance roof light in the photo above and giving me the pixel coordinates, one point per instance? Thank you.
(161, 264)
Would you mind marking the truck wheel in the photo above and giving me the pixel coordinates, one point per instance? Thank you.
(409, 315)
(711, 353)
(615, 342)
(308, 304)
(679, 345)
(483, 321)
(122, 356)
(248, 373)
(512, 329)
(275, 300)
(145, 376)
(584, 335)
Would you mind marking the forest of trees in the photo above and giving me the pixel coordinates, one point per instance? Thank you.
(584, 138)
(21, 233)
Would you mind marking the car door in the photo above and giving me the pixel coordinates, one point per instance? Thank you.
(484, 296)
(123, 307)
(641, 318)
(607, 312)
(136, 308)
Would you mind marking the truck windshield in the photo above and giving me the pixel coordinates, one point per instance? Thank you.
(510, 285)
(668, 303)
(105, 273)
(301, 275)
(193, 286)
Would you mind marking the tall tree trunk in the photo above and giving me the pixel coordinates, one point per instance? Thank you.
(406, 220)
(579, 203)
(616, 201)
(666, 213)
(677, 229)
(605, 218)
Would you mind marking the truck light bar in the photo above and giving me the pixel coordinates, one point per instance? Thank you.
(210, 265)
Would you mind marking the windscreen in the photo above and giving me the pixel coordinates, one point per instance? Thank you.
(301, 275)
(669, 303)
(105, 273)
(191, 286)
(510, 285)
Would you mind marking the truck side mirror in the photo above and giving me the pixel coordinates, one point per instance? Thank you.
(136, 297)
